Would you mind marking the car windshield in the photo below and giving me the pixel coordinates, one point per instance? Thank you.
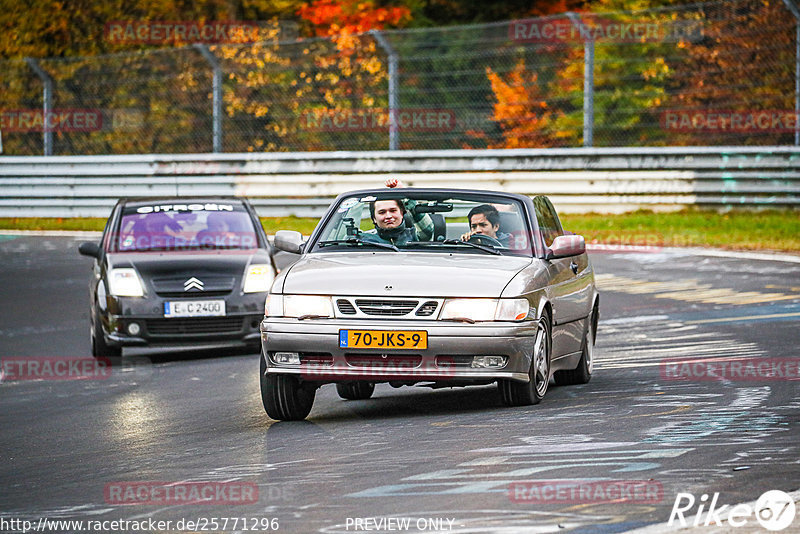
(468, 223)
(185, 227)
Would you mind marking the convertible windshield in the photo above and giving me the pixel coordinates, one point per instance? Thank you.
(204, 226)
(467, 223)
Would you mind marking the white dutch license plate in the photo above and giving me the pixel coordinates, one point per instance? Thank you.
(194, 308)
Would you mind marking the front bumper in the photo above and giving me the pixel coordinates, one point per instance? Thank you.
(448, 357)
(239, 326)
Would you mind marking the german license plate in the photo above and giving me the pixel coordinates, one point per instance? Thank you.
(194, 308)
(383, 339)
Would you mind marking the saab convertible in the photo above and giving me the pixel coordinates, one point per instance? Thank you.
(435, 287)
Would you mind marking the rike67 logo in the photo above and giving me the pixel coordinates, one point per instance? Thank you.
(774, 510)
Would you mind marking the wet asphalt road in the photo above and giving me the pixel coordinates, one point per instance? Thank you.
(451, 460)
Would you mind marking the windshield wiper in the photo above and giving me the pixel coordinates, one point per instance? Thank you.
(357, 241)
(484, 248)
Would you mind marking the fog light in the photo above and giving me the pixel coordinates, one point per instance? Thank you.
(134, 329)
(289, 358)
(488, 362)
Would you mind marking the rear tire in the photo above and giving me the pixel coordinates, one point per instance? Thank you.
(285, 398)
(583, 373)
(101, 349)
(515, 393)
(355, 390)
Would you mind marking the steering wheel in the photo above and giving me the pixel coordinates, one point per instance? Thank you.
(482, 239)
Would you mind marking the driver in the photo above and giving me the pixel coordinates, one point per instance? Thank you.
(389, 219)
(485, 220)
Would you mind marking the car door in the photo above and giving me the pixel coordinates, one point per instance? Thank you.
(570, 285)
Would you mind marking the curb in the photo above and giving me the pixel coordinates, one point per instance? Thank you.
(695, 251)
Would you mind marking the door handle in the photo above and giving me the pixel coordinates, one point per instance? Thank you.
(574, 267)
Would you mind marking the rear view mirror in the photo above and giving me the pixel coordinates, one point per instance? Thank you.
(89, 248)
(566, 245)
(289, 241)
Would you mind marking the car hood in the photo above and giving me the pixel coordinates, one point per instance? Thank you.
(169, 271)
(403, 274)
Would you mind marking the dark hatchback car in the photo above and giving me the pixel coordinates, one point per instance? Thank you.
(171, 272)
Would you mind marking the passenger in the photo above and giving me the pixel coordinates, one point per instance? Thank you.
(217, 233)
(485, 220)
(389, 219)
(155, 230)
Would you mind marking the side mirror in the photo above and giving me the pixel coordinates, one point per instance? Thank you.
(89, 248)
(566, 245)
(289, 241)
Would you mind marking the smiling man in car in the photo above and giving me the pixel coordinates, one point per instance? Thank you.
(389, 219)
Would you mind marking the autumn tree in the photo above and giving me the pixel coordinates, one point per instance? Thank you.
(520, 110)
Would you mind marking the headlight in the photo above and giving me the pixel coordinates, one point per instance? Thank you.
(514, 310)
(486, 309)
(298, 306)
(124, 283)
(258, 279)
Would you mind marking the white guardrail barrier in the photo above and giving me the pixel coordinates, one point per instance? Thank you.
(606, 180)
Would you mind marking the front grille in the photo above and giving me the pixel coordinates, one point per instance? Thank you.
(345, 307)
(193, 295)
(383, 361)
(194, 326)
(386, 308)
(213, 285)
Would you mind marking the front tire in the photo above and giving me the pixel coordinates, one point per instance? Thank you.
(101, 349)
(285, 398)
(355, 390)
(515, 393)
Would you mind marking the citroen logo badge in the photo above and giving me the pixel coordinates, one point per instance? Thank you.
(193, 283)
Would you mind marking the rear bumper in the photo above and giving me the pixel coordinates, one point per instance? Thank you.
(447, 358)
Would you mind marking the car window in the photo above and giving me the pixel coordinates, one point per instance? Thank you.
(549, 224)
(430, 223)
(208, 226)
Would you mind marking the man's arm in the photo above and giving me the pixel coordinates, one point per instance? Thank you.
(423, 222)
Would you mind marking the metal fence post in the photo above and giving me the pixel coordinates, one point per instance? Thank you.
(588, 81)
(796, 12)
(47, 97)
(216, 96)
(392, 54)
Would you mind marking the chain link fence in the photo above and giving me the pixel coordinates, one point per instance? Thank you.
(716, 73)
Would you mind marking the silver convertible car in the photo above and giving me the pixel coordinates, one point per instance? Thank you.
(435, 287)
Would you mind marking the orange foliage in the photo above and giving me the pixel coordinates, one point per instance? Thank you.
(331, 17)
(520, 111)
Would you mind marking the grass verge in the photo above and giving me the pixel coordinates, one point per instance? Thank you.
(777, 230)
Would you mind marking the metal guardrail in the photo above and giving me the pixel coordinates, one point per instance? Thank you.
(279, 184)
